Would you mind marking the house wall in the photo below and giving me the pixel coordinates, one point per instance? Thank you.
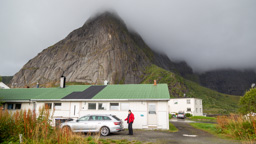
(181, 104)
(139, 109)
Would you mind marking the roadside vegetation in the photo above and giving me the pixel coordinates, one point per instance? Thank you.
(172, 128)
(37, 129)
(203, 118)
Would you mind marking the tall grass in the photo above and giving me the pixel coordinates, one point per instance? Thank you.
(238, 126)
(36, 129)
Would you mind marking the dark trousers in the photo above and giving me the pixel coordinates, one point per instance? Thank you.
(130, 128)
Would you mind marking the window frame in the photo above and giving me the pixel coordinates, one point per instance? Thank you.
(89, 106)
(58, 107)
(104, 108)
(15, 107)
(188, 101)
(118, 107)
(188, 110)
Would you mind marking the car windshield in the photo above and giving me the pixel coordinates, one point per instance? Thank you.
(116, 118)
(181, 113)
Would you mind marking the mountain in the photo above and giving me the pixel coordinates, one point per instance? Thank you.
(102, 49)
(232, 82)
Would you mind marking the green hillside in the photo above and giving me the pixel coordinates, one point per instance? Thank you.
(213, 102)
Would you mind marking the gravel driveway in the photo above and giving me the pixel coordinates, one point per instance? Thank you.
(165, 137)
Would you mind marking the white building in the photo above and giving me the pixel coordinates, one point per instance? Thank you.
(148, 102)
(3, 86)
(193, 106)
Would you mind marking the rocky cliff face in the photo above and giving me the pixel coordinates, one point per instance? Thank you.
(228, 81)
(102, 49)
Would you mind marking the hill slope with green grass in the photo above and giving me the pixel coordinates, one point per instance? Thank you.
(213, 102)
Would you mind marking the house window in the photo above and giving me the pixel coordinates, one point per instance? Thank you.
(17, 106)
(92, 106)
(57, 105)
(125, 106)
(196, 102)
(101, 106)
(114, 106)
(188, 101)
(48, 105)
(10, 106)
(196, 109)
(188, 109)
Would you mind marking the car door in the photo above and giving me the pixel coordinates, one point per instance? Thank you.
(81, 124)
(94, 123)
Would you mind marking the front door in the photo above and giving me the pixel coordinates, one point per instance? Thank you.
(152, 115)
(75, 107)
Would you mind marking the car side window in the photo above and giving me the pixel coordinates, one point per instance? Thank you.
(85, 118)
(92, 118)
(106, 118)
(98, 117)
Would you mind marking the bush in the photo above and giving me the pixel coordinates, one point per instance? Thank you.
(247, 103)
(238, 126)
(188, 115)
(34, 129)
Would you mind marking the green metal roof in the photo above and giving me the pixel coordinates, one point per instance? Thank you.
(39, 93)
(126, 91)
(134, 91)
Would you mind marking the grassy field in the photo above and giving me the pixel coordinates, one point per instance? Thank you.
(213, 102)
(203, 118)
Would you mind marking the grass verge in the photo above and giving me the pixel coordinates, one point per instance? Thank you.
(172, 128)
(202, 118)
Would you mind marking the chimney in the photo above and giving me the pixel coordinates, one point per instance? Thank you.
(155, 82)
(105, 82)
(62, 82)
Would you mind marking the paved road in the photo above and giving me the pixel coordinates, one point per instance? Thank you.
(165, 137)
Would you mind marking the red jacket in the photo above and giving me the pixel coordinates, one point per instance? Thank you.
(131, 118)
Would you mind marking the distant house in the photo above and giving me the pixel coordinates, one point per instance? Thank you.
(193, 106)
(148, 102)
(3, 86)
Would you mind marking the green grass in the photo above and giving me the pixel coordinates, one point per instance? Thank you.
(172, 128)
(211, 128)
(213, 102)
(202, 118)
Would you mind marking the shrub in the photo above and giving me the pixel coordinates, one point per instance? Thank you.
(238, 126)
(247, 103)
(188, 115)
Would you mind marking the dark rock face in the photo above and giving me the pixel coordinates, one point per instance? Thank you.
(228, 81)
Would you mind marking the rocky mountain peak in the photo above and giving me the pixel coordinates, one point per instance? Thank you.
(102, 49)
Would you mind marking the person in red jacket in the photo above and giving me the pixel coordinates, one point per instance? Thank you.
(130, 119)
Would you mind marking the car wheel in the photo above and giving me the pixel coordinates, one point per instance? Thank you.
(104, 131)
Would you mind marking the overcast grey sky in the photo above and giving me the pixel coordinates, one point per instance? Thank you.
(207, 34)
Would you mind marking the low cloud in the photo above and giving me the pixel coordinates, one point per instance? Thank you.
(206, 34)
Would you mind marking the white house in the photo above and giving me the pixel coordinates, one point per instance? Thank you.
(193, 106)
(148, 102)
(3, 86)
